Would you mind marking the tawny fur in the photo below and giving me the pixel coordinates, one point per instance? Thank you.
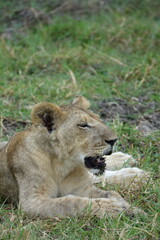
(43, 169)
(119, 160)
(2, 145)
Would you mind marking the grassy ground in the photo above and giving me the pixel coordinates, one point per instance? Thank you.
(105, 54)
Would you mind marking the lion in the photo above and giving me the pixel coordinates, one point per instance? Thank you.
(42, 168)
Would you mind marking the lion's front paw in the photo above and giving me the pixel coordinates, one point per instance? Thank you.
(118, 160)
(133, 211)
(110, 207)
(129, 178)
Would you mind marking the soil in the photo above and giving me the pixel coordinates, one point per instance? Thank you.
(20, 19)
(21, 15)
(10, 126)
(140, 112)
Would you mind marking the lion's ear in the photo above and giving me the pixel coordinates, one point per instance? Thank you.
(46, 114)
(81, 102)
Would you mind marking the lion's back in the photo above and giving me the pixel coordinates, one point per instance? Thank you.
(8, 183)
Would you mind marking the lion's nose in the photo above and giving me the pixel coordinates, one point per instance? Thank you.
(111, 142)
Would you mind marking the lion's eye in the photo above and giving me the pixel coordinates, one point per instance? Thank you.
(84, 125)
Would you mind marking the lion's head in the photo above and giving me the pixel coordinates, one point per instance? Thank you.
(73, 131)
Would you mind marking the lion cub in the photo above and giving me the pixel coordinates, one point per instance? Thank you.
(43, 167)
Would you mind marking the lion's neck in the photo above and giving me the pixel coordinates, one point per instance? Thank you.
(64, 166)
(62, 162)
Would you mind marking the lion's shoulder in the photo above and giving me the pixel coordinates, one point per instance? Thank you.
(16, 141)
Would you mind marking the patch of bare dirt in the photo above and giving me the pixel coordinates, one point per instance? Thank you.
(10, 126)
(23, 19)
(140, 112)
(29, 17)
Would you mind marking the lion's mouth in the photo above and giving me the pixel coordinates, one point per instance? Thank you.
(97, 161)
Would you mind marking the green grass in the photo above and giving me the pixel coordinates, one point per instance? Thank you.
(113, 54)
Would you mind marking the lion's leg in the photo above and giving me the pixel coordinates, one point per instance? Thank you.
(118, 160)
(110, 196)
(87, 188)
(115, 196)
(99, 193)
(37, 201)
(130, 178)
(72, 206)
